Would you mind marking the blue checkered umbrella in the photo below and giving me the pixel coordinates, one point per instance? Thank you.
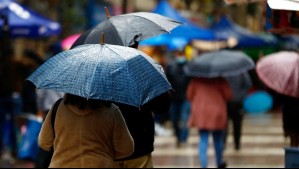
(105, 72)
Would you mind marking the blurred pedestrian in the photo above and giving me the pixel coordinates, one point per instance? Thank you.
(208, 99)
(88, 134)
(240, 86)
(45, 99)
(290, 114)
(180, 106)
(26, 66)
(11, 105)
(159, 54)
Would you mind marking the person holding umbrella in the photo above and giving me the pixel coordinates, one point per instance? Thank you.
(116, 74)
(290, 116)
(240, 86)
(88, 133)
(180, 106)
(279, 72)
(209, 93)
(208, 97)
(128, 30)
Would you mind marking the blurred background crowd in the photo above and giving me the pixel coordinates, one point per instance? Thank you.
(251, 27)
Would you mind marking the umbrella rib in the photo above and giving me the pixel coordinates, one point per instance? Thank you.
(162, 28)
(158, 25)
(114, 30)
(135, 89)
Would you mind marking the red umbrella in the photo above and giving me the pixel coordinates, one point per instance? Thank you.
(280, 72)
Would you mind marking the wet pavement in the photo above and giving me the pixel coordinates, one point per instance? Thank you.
(16, 164)
(263, 146)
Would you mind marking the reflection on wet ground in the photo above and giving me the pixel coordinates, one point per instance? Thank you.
(263, 146)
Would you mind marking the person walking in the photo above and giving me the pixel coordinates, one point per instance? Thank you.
(240, 86)
(290, 116)
(88, 134)
(208, 99)
(180, 106)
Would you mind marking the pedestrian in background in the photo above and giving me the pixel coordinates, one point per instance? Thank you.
(240, 86)
(45, 99)
(88, 134)
(208, 99)
(290, 114)
(180, 106)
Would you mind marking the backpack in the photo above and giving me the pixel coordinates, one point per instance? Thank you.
(44, 157)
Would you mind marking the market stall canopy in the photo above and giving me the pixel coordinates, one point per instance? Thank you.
(225, 28)
(23, 22)
(188, 30)
(171, 42)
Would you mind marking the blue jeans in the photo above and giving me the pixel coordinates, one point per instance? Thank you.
(179, 113)
(204, 144)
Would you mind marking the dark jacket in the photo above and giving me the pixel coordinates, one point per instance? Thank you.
(140, 122)
(290, 113)
(178, 80)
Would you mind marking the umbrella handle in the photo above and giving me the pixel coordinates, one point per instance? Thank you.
(107, 13)
(103, 38)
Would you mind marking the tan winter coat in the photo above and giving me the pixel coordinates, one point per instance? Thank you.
(86, 139)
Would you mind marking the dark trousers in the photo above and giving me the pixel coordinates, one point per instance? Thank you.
(179, 113)
(235, 114)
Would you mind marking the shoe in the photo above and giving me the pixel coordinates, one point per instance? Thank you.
(162, 131)
(181, 145)
(237, 148)
(6, 156)
(223, 165)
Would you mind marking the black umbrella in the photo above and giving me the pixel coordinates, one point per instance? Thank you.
(219, 64)
(127, 29)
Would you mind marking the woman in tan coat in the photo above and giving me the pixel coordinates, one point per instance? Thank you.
(208, 99)
(88, 134)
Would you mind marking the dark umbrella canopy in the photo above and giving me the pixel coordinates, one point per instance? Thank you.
(126, 30)
(219, 64)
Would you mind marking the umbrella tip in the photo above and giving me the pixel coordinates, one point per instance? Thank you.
(107, 13)
(103, 38)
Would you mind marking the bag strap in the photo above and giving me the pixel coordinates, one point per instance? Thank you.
(55, 107)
